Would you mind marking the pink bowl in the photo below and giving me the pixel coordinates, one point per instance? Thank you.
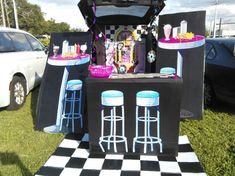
(100, 71)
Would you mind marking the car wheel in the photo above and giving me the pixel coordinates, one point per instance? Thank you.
(17, 93)
(209, 95)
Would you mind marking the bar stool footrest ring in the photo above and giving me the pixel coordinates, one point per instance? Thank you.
(71, 116)
(150, 140)
(119, 139)
(72, 99)
(108, 118)
(151, 119)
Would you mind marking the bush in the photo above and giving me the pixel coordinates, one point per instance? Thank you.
(45, 41)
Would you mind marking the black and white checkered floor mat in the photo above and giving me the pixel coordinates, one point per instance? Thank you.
(72, 158)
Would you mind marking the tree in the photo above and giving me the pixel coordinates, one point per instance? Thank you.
(52, 26)
(31, 18)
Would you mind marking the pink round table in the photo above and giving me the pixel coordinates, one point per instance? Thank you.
(181, 44)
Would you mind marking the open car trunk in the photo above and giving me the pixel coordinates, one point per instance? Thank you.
(122, 12)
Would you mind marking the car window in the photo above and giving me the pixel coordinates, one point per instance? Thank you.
(229, 46)
(5, 43)
(35, 44)
(20, 41)
(210, 51)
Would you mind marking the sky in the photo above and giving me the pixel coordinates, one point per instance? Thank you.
(62, 11)
(67, 11)
(225, 10)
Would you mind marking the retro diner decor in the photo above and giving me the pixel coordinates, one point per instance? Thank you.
(71, 55)
(131, 99)
(127, 40)
(125, 25)
(123, 39)
(123, 72)
(65, 73)
(185, 52)
(180, 41)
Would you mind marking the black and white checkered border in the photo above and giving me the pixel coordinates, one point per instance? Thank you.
(72, 158)
(110, 30)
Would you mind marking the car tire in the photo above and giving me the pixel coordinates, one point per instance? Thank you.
(209, 95)
(17, 93)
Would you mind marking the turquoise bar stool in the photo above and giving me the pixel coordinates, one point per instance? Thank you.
(147, 99)
(111, 100)
(168, 70)
(72, 103)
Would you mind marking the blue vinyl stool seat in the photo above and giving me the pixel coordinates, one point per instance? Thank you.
(168, 70)
(73, 96)
(111, 100)
(147, 99)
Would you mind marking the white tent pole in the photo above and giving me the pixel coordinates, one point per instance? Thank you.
(3, 14)
(7, 14)
(215, 18)
(15, 14)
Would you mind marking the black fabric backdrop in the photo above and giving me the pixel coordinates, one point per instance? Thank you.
(170, 96)
(192, 94)
(193, 66)
(50, 87)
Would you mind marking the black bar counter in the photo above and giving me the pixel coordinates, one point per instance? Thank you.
(170, 98)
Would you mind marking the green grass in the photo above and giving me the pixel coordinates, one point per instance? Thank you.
(213, 140)
(23, 150)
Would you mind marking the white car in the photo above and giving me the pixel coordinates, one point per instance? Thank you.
(22, 62)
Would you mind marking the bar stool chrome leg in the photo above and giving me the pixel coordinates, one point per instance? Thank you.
(136, 128)
(112, 99)
(145, 130)
(72, 87)
(158, 130)
(114, 129)
(73, 107)
(123, 127)
(102, 131)
(80, 108)
(147, 99)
